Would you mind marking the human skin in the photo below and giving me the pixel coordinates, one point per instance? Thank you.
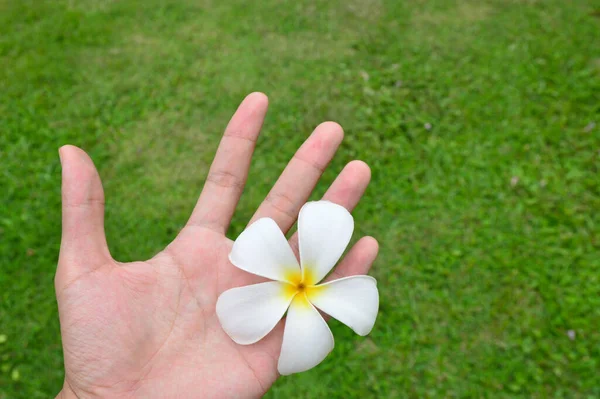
(148, 328)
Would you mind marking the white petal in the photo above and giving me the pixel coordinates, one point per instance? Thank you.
(249, 313)
(262, 249)
(307, 339)
(324, 231)
(352, 300)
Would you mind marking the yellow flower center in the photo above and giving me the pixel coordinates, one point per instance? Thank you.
(299, 285)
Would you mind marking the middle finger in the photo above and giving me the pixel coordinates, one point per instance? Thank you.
(300, 176)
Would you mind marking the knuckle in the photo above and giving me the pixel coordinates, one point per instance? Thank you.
(319, 167)
(239, 134)
(225, 179)
(283, 203)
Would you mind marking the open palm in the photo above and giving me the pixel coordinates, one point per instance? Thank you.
(149, 329)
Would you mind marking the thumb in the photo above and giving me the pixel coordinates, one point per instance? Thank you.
(83, 246)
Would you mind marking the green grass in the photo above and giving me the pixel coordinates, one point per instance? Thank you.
(480, 119)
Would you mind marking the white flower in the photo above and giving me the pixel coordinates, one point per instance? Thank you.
(249, 313)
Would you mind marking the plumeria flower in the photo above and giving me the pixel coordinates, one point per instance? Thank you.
(247, 314)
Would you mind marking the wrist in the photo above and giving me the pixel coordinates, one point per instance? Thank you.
(66, 392)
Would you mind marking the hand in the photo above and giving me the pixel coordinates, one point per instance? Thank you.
(148, 329)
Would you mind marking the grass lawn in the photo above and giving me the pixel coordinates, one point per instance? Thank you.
(480, 120)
